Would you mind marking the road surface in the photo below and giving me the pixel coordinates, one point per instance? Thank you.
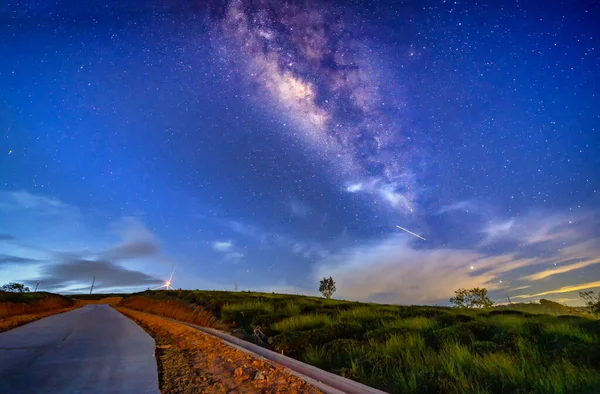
(93, 349)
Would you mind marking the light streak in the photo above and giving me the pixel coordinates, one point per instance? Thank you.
(411, 233)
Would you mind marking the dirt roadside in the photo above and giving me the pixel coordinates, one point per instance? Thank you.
(9, 323)
(190, 361)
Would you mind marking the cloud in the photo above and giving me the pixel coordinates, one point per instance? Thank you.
(498, 229)
(37, 204)
(395, 269)
(464, 205)
(222, 246)
(354, 187)
(561, 270)
(395, 192)
(520, 288)
(233, 257)
(564, 289)
(79, 272)
(132, 250)
(244, 228)
(299, 209)
(391, 270)
(540, 227)
(7, 237)
(230, 255)
(8, 259)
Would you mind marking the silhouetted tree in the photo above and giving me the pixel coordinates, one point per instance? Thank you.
(327, 287)
(592, 300)
(15, 287)
(471, 298)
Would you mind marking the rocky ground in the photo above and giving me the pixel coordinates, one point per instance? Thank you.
(190, 361)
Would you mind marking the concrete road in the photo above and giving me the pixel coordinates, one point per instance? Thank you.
(93, 349)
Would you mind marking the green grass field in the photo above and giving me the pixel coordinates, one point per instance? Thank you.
(420, 349)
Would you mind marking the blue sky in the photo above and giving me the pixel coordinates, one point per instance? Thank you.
(274, 145)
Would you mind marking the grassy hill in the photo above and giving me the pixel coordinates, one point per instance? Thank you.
(18, 304)
(545, 307)
(406, 349)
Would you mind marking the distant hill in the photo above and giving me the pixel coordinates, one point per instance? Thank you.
(545, 307)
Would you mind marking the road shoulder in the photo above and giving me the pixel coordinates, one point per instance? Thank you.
(190, 361)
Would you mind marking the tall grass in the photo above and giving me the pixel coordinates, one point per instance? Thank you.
(418, 349)
(360, 313)
(173, 309)
(302, 322)
(37, 305)
(247, 306)
(412, 323)
(290, 308)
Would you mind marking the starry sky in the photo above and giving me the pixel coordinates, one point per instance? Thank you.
(271, 143)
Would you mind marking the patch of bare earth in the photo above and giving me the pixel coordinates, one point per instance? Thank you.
(190, 361)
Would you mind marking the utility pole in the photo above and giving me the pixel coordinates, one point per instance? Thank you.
(36, 286)
(92, 288)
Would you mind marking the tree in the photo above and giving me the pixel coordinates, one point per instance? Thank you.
(592, 300)
(15, 287)
(471, 298)
(327, 287)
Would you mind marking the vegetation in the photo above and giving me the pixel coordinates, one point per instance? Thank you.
(327, 287)
(17, 308)
(544, 307)
(471, 298)
(413, 349)
(172, 308)
(592, 301)
(15, 287)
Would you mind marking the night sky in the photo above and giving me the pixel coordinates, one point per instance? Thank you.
(276, 142)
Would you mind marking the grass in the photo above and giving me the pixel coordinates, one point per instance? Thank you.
(17, 304)
(302, 322)
(17, 309)
(416, 349)
(173, 309)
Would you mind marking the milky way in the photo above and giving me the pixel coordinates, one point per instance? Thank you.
(312, 64)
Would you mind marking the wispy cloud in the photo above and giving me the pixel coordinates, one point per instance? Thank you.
(299, 209)
(228, 249)
(520, 288)
(394, 269)
(394, 192)
(11, 201)
(222, 246)
(5, 258)
(391, 270)
(561, 270)
(539, 227)
(78, 272)
(54, 240)
(564, 289)
(233, 257)
(464, 205)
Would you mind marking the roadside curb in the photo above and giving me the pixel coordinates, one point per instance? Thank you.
(325, 381)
